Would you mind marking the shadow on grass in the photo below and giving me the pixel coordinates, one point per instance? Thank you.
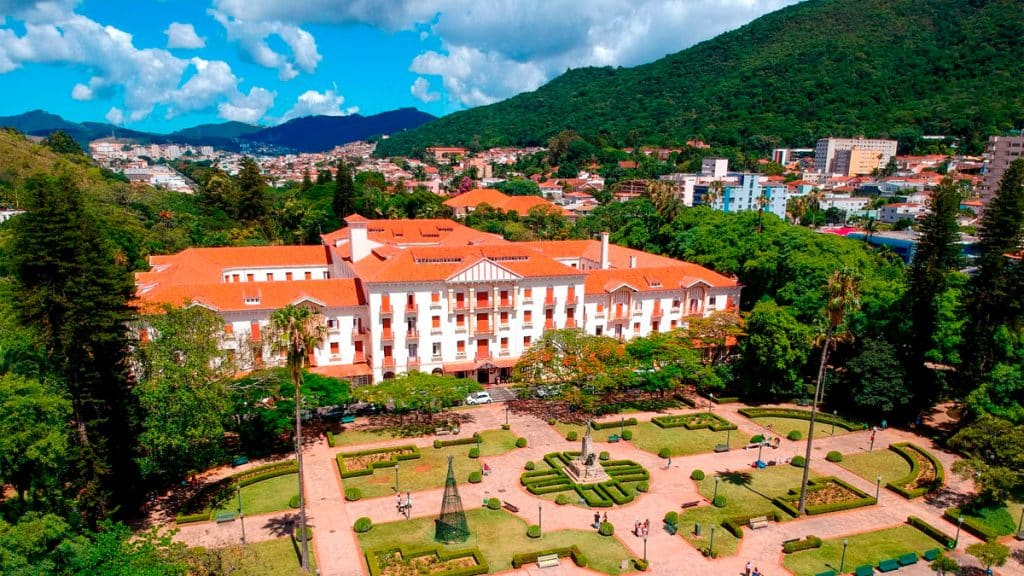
(946, 498)
(283, 525)
(737, 478)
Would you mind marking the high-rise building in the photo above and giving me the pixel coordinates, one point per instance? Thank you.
(1000, 152)
(852, 156)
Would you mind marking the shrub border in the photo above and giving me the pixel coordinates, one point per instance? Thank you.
(574, 552)
(395, 459)
(607, 425)
(936, 534)
(897, 486)
(786, 502)
(373, 561)
(971, 525)
(719, 424)
(800, 415)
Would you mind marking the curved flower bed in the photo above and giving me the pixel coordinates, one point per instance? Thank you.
(926, 473)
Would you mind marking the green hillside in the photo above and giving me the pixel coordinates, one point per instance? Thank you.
(895, 68)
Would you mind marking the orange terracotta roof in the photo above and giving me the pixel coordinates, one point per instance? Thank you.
(682, 275)
(436, 232)
(433, 264)
(206, 265)
(343, 370)
(232, 297)
(497, 199)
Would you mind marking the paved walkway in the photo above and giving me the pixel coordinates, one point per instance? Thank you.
(338, 553)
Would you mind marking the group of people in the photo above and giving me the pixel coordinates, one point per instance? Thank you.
(405, 507)
(752, 570)
(642, 528)
(598, 519)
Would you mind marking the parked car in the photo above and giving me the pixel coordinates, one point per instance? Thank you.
(479, 398)
(546, 391)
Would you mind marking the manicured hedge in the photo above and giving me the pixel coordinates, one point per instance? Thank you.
(362, 525)
(606, 529)
(398, 455)
(798, 461)
(330, 439)
(822, 417)
(481, 567)
(475, 477)
(672, 518)
(627, 435)
(533, 531)
(897, 486)
(520, 560)
(862, 498)
(607, 425)
(520, 442)
(697, 474)
(795, 435)
(293, 502)
(798, 545)
(571, 436)
(972, 525)
(725, 399)
(933, 532)
(695, 421)
(353, 494)
(733, 528)
(197, 517)
(493, 504)
(458, 441)
(266, 472)
(834, 456)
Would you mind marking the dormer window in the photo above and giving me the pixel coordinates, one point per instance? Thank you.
(251, 299)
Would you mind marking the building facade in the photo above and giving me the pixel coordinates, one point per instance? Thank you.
(852, 156)
(435, 296)
(999, 154)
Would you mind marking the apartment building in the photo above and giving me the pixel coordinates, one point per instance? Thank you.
(747, 192)
(999, 154)
(435, 296)
(852, 156)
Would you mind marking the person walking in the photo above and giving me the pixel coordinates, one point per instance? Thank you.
(597, 519)
(748, 569)
(636, 527)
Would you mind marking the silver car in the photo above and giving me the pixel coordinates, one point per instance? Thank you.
(479, 398)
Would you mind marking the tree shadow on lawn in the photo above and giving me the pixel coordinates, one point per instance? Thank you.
(947, 498)
(742, 480)
(284, 525)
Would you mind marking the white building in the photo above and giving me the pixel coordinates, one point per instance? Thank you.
(893, 213)
(715, 168)
(748, 193)
(436, 296)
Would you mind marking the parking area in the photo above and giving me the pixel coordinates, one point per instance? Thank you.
(501, 394)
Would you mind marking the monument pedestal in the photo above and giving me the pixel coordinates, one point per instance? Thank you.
(586, 469)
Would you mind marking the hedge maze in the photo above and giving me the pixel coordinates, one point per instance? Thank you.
(620, 489)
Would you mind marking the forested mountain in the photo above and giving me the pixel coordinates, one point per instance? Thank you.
(896, 68)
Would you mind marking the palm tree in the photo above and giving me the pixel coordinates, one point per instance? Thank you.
(843, 297)
(713, 194)
(797, 207)
(297, 331)
(870, 227)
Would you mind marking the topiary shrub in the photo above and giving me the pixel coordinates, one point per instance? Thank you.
(362, 525)
(604, 456)
(520, 442)
(293, 502)
(529, 465)
(798, 461)
(795, 435)
(757, 439)
(664, 453)
(580, 559)
(606, 529)
(506, 427)
(834, 456)
(474, 452)
(298, 534)
(640, 564)
(352, 494)
(475, 477)
(643, 487)
(697, 475)
(494, 504)
(533, 531)
(571, 436)
(552, 421)
(719, 501)
(627, 434)
(563, 499)
(672, 517)
(437, 444)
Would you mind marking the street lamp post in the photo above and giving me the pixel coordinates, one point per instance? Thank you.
(397, 487)
(241, 517)
(711, 543)
(759, 448)
(715, 495)
(622, 425)
(711, 400)
(959, 523)
(506, 413)
(842, 560)
(878, 488)
(1020, 525)
(835, 414)
(645, 548)
(728, 435)
(540, 518)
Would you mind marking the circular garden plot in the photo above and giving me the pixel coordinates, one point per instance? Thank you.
(625, 479)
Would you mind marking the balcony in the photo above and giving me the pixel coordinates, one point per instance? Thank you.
(674, 310)
(460, 355)
(599, 314)
(461, 329)
(387, 334)
(570, 323)
(413, 362)
(638, 311)
(386, 310)
(658, 312)
(358, 332)
(436, 330)
(359, 357)
(527, 300)
(483, 356)
(549, 301)
(461, 305)
(527, 323)
(695, 312)
(549, 324)
(435, 305)
(505, 303)
(435, 358)
(411, 308)
(389, 362)
(412, 334)
(484, 329)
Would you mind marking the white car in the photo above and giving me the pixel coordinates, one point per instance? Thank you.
(479, 398)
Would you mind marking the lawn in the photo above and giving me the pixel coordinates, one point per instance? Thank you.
(680, 441)
(265, 496)
(866, 548)
(781, 426)
(430, 469)
(363, 435)
(499, 535)
(746, 493)
(870, 465)
(581, 429)
(276, 558)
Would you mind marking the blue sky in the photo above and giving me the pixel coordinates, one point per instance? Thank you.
(161, 65)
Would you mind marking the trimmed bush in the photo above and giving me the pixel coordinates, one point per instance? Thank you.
(362, 525)
(437, 443)
(906, 450)
(563, 499)
(552, 421)
(797, 545)
(571, 436)
(493, 504)
(606, 529)
(821, 418)
(672, 518)
(643, 487)
(608, 425)
(627, 435)
(189, 518)
(520, 442)
(640, 564)
(293, 502)
(579, 558)
(834, 456)
(506, 427)
(719, 501)
(533, 531)
(475, 477)
(298, 535)
(664, 453)
(757, 439)
(795, 435)
(933, 532)
(798, 461)
(697, 475)
(519, 560)
(733, 527)
(529, 465)
(353, 494)
(604, 456)
(474, 452)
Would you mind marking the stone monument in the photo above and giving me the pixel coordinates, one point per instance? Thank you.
(586, 469)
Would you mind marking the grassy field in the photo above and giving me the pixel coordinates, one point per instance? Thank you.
(867, 548)
(430, 469)
(499, 535)
(266, 496)
(280, 557)
(350, 437)
(870, 465)
(782, 426)
(680, 441)
(581, 429)
(746, 492)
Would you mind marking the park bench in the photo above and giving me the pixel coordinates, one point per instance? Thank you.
(759, 522)
(225, 517)
(442, 431)
(865, 570)
(826, 573)
(907, 559)
(721, 447)
(509, 506)
(348, 419)
(239, 460)
(932, 554)
(547, 561)
(686, 505)
(613, 438)
(888, 565)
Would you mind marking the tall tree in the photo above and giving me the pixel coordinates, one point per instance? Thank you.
(253, 205)
(843, 297)
(343, 202)
(71, 288)
(33, 436)
(59, 141)
(775, 352)
(296, 332)
(937, 256)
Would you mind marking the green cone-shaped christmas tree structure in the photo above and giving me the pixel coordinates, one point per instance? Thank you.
(451, 525)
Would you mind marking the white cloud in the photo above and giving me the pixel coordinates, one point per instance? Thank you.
(248, 108)
(146, 77)
(252, 38)
(313, 103)
(183, 36)
(115, 116)
(420, 89)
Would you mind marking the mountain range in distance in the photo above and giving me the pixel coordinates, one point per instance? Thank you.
(306, 134)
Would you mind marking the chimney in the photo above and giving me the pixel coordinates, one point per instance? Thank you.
(632, 261)
(359, 244)
(604, 250)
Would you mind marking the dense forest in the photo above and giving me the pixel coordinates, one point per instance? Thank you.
(880, 68)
